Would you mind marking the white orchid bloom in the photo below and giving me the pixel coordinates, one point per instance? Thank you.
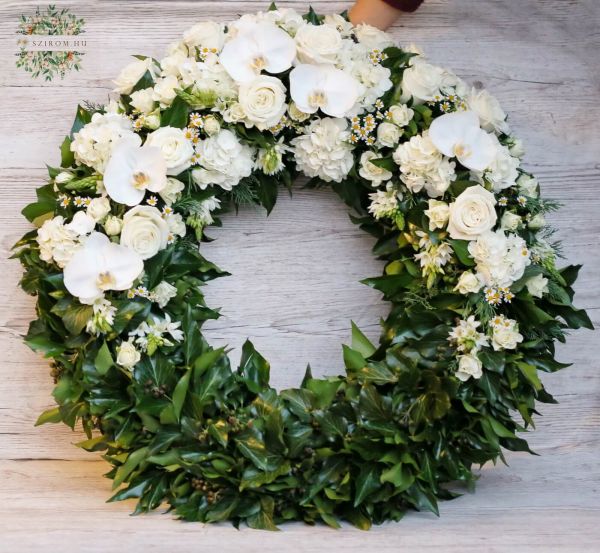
(459, 135)
(324, 87)
(101, 265)
(132, 169)
(262, 46)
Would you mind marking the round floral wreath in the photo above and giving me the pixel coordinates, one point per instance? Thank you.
(428, 166)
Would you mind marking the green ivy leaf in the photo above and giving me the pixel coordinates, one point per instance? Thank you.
(103, 361)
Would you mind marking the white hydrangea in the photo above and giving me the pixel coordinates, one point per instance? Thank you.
(501, 258)
(423, 166)
(224, 161)
(324, 150)
(57, 241)
(208, 78)
(94, 143)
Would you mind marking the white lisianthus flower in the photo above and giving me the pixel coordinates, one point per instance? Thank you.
(172, 64)
(113, 225)
(99, 208)
(151, 120)
(324, 150)
(438, 214)
(144, 231)
(57, 242)
(487, 107)
(458, 135)
(510, 221)
(502, 171)
(528, 186)
(422, 81)
(172, 190)
(224, 161)
(258, 47)
(270, 160)
(263, 101)
(318, 43)
(81, 224)
(234, 113)
(469, 366)
(401, 115)
(127, 355)
(133, 169)
(468, 283)
(163, 293)
(388, 135)
(176, 149)
(324, 87)
(472, 213)
(164, 90)
(94, 143)
(537, 285)
(131, 74)
(372, 37)
(207, 34)
(143, 100)
(505, 333)
(536, 222)
(370, 171)
(99, 266)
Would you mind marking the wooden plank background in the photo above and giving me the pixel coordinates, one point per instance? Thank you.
(295, 286)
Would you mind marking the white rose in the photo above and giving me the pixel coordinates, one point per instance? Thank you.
(510, 221)
(528, 186)
(537, 222)
(505, 337)
(344, 26)
(206, 34)
(151, 121)
(468, 283)
(401, 115)
(438, 213)
(388, 135)
(163, 293)
(172, 64)
(491, 114)
(99, 208)
(164, 90)
(143, 100)
(472, 213)
(234, 113)
(537, 285)
(144, 231)
(131, 74)
(422, 81)
(113, 225)
(469, 366)
(170, 193)
(175, 147)
(211, 125)
(318, 43)
(372, 37)
(371, 172)
(263, 101)
(127, 355)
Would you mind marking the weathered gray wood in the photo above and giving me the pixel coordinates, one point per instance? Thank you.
(541, 60)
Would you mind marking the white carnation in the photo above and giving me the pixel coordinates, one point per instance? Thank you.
(324, 150)
(224, 161)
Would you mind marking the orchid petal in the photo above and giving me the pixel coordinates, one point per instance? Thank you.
(449, 129)
(482, 150)
(236, 58)
(304, 79)
(122, 262)
(343, 92)
(151, 160)
(278, 48)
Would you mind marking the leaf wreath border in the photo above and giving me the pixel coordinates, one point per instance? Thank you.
(215, 444)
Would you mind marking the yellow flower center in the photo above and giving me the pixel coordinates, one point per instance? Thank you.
(140, 180)
(460, 150)
(258, 63)
(106, 281)
(317, 99)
